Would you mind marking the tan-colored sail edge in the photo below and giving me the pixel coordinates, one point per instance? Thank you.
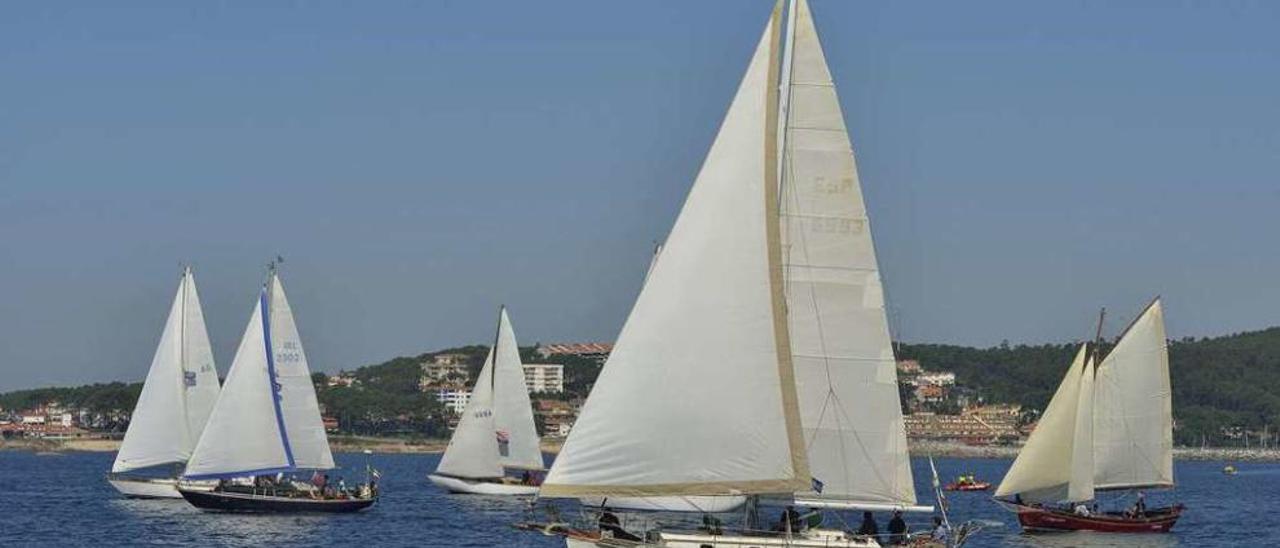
(773, 239)
(712, 488)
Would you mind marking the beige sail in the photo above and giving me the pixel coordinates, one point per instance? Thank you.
(1045, 470)
(841, 349)
(1133, 415)
(698, 396)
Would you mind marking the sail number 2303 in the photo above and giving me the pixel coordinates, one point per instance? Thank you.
(289, 352)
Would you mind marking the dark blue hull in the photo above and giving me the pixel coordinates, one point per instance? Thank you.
(221, 501)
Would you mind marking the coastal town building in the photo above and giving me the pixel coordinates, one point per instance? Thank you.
(343, 378)
(455, 398)
(982, 425)
(937, 378)
(909, 367)
(443, 370)
(598, 352)
(556, 417)
(544, 378)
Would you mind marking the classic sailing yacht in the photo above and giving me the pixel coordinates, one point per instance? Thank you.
(759, 336)
(266, 425)
(175, 403)
(1105, 429)
(496, 432)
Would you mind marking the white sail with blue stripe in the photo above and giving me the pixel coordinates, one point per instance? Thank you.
(267, 419)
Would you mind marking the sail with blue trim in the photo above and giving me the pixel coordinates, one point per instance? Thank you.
(267, 419)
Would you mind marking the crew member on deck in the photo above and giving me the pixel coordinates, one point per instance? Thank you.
(609, 522)
(869, 526)
(897, 529)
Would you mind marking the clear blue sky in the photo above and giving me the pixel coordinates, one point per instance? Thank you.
(419, 163)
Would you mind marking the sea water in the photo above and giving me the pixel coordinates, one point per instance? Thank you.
(64, 500)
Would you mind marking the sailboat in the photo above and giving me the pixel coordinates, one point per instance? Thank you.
(1107, 428)
(758, 337)
(175, 403)
(266, 426)
(496, 432)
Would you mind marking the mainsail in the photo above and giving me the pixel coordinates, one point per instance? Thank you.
(1133, 409)
(497, 429)
(1055, 464)
(179, 392)
(844, 362)
(266, 419)
(698, 396)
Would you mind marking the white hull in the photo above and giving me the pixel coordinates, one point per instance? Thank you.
(155, 488)
(821, 538)
(697, 504)
(472, 487)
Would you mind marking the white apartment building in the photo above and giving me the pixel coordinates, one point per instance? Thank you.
(454, 399)
(945, 378)
(544, 377)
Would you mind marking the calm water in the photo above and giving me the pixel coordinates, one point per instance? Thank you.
(64, 500)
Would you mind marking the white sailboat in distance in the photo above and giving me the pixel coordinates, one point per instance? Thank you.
(266, 426)
(496, 432)
(175, 402)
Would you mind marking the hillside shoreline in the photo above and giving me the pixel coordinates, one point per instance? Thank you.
(357, 444)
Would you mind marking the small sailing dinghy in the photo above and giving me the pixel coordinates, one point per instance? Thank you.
(756, 364)
(175, 403)
(266, 426)
(496, 433)
(1107, 428)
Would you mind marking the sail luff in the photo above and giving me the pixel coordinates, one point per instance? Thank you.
(1081, 484)
(842, 351)
(694, 398)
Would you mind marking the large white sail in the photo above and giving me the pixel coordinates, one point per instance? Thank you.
(266, 419)
(473, 449)
(698, 396)
(512, 410)
(1044, 470)
(1133, 416)
(179, 392)
(840, 343)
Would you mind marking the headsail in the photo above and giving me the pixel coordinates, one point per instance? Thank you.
(840, 343)
(1046, 469)
(179, 391)
(1133, 415)
(266, 419)
(698, 396)
(473, 449)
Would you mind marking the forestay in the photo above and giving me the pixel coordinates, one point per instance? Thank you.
(266, 419)
(698, 396)
(1133, 416)
(179, 392)
(841, 349)
(1050, 467)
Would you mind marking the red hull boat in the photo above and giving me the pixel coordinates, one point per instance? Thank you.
(1044, 519)
(975, 486)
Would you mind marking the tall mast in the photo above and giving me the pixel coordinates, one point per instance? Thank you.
(784, 95)
(1097, 338)
(497, 334)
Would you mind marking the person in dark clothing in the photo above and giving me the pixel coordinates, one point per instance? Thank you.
(789, 521)
(897, 529)
(869, 526)
(609, 522)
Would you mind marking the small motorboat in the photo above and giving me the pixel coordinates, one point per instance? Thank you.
(1229, 470)
(967, 483)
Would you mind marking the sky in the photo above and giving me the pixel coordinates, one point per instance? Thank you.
(417, 164)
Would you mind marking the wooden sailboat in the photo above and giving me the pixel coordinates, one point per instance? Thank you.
(756, 364)
(496, 432)
(1107, 428)
(175, 403)
(266, 427)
